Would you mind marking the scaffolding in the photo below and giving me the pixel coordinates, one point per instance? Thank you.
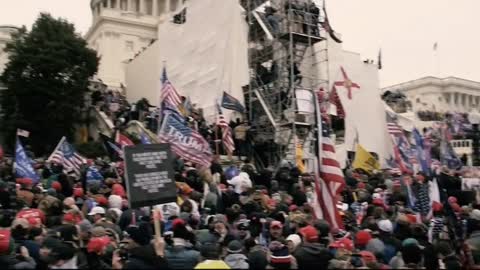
(286, 72)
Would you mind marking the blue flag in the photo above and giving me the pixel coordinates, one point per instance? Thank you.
(23, 164)
(144, 139)
(93, 175)
(421, 152)
(231, 103)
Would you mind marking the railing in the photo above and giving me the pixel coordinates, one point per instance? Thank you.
(462, 146)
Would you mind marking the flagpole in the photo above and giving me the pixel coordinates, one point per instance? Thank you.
(56, 148)
(216, 129)
(160, 115)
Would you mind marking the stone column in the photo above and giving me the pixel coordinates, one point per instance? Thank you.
(143, 8)
(129, 5)
(155, 7)
(167, 6)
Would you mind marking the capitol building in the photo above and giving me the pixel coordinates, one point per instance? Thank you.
(121, 29)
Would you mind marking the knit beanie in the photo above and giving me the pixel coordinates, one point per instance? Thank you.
(279, 253)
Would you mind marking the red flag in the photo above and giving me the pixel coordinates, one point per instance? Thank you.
(1, 152)
(123, 140)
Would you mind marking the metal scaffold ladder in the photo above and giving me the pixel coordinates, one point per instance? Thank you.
(288, 61)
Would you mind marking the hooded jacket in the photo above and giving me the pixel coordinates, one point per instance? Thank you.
(144, 257)
(312, 256)
(237, 261)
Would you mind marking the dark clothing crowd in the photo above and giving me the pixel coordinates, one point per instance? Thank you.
(236, 217)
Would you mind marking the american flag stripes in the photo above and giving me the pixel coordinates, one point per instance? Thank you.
(185, 141)
(169, 94)
(66, 155)
(331, 182)
(227, 138)
(392, 127)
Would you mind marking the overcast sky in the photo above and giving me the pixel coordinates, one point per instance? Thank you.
(405, 30)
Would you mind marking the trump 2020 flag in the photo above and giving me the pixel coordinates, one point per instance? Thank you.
(421, 152)
(93, 175)
(144, 138)
(23, 164)
(185, 141)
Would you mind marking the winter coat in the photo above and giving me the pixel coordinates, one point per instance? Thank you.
(144, 257)
(312, 256)
(257, 258)
(12, 262)
(181, 257)
(237, 261)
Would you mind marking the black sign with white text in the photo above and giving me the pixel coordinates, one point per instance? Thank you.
(149, 175)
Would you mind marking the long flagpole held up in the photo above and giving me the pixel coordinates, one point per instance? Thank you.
(56, 148)
(160, 114)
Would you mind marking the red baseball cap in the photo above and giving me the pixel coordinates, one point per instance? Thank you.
(276, 224)
(362, 238)
(97, 244)
(78, 192)
(101, 200)
(57, 186)
(344, 243)
(24, 181)
(309, 233)
(368, 256)
(33, 213)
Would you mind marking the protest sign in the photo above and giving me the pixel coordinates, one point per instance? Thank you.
(149, 175)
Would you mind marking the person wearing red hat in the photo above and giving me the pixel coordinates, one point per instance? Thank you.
(25, 193)
(117, 189)
(362, 238)
(96, 251)
(57, 186)
(311, 254)
(276, 231)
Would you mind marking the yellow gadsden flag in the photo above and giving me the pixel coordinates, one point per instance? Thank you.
(299, 158)
(364, 160)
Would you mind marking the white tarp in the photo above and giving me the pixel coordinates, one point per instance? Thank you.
(365, 113)
(204, 57)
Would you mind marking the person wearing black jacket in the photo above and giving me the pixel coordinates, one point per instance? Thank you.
(140, 253)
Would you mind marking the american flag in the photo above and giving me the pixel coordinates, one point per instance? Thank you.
(185, 141)
(331, 182)
(66, 155)
(227, 138)
(168, 94)
(392, 126)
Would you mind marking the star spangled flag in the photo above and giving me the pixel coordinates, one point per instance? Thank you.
(330, 182)
(185, 141)
(227, 138)
(168, 94)
(66, 155)
(392, 126)
(93, 175)
(421, 152)
(23, 164)
(231, 103)
(144, 138)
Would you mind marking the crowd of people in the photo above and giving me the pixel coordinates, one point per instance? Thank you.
(235, 218)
